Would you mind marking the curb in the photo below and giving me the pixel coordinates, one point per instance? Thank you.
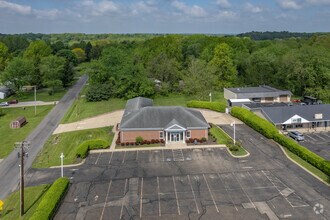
(70, 165)
(282, 148)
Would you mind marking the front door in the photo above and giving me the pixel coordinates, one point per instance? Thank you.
(175, 137)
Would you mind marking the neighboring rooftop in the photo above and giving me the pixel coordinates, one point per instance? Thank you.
(280, 114)
(256, 105)
(260, 91)
(136, 104)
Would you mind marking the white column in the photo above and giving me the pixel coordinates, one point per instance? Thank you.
(184, 138)
(166, 137)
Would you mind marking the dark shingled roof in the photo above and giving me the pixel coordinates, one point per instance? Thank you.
(261, 91)
(162, 117)
(279, 115)
(136, 104)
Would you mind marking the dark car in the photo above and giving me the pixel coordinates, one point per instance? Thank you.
(4, 103)
(296, 135)
(14, 101)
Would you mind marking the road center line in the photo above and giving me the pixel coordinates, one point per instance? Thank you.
(110, 157)
(176, 196)
(192, 190)
(106, 199)
(122, 201)
(141, 194)
(215, 204)
(123, 157)
(97, 158)
(159, 210)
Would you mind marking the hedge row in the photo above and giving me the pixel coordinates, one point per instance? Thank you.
(215, 106)
(269, 130)
(254, 121)
(303, 153)
(84, 148)
(49, 202)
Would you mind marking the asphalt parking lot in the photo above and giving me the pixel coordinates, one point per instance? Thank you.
(184, 184)
(319, 143)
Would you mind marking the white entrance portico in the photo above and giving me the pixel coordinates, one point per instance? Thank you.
(174, 132)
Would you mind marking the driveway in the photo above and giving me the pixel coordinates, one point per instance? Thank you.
(31, 103)
(9, 169)
(112, 118)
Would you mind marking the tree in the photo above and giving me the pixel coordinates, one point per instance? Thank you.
(68, 55)
(80, 54)
(57, 46)
(223, 66)
(18, 73)
(52, 70)
(88, 50)
(199, 80)
(3, 56)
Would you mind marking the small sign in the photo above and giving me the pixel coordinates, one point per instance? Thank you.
(318, 116)
(1, 205)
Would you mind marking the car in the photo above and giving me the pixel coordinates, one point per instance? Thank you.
(4, 103)
(14, 101)
(296, 135)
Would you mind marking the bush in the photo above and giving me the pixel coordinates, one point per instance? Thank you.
(139, 140)
(203, 139)
(83, 148)
(99, 92)
(254, 121)
(215, 106)
(49, 202)
(303, 153)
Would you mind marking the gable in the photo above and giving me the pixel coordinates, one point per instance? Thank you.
(296, 119)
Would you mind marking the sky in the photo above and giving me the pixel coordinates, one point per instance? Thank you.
(163, 16)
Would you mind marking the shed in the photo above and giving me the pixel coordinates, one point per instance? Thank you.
(4, 92)
(18, 122)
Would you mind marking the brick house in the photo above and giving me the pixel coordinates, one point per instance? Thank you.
(168, 123)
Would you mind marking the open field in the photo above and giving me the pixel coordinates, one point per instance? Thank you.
(67, 143)
(9, 136)
(82, 109)
(32, 199)
(42, 95)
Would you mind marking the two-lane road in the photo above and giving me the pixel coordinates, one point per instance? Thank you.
(9, 167)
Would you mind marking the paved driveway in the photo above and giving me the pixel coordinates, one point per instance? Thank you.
(191, 184)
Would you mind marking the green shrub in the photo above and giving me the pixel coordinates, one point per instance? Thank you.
(49, 202)
(139, 140)
(84, 148)
(215, 106)
(254, 121)
(303, 153)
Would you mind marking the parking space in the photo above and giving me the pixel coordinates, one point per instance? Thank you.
(248, 195)
(319, 143)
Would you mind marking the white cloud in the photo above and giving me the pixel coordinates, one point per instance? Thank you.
(99, 8)
(226, 14)
(289, 4)
(318, 2)
(143, 7)
(252, 8)
(223, 3)
(50, 14)
(20, 9)
(194, 11)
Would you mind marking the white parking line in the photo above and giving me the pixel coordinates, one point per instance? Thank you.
(137, 155)
(98, 158)
(192, 190)
(215, 204)
(310, 137)
(110, 157)
(252, 178)
(317, 135)
(176, 196)
(163, 155)
(141, 194)
(326, 134)
(106, 199)
(123, 157)
(244, 190)
(232, 201)
(122, 201)
(159, 210)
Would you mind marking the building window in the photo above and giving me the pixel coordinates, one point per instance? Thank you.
(296, 120)
(161, 134)
(188, 134)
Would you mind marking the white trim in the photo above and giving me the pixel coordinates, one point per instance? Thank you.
(169, 128)
(295, 117)
(188, 132)
(161, 136)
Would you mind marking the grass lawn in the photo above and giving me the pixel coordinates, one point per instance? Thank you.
(82, 109)
(32, 198)
(68, 144)
(308, 166)
(9, 136)
(42, 95)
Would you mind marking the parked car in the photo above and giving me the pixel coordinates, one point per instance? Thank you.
(296, 135)
(14, 101)
(4, 103)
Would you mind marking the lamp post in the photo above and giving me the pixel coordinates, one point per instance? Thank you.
(62, 157)
(210, 97)
(233, 124)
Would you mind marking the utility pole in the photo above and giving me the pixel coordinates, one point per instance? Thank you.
(23, 152)
(35, 100)
(62, 157)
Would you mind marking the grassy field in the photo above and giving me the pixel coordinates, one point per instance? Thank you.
(42, 95)
(308, 166)
(9, 136)
(82, 109)
(32, 199)
(67, 143)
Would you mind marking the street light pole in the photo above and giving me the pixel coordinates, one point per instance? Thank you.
(234, 134)
(62, 156)
(35, 100)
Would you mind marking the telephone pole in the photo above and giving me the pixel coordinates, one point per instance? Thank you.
(23, 152)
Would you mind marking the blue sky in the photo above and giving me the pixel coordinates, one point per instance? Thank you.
(163, 16)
